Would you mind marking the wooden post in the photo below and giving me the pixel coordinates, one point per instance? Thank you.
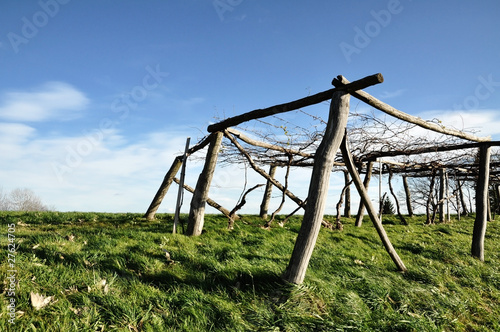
(369, 207)
(480, 223)
(264, 206)
(442, 192)
(366, 183)
(347, 207)
(318, 188)
(162, 191)
(180, 192)
(197, 211)
(391, 189)
(408, 196)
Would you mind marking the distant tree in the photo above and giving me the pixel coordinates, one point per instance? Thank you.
(4, 201)
(21, 199)
(387, 206)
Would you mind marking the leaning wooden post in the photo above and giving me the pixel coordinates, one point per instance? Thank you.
(369, 207)
(197, 211)
(264, 206)
(180, 192)
(366, 183)
(480, 223)
(318, 188)
(162, 191)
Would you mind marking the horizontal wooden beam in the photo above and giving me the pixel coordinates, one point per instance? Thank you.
(296, 104)
(374, 102)
(374, 155)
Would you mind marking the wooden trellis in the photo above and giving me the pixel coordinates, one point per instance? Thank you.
(334, 138)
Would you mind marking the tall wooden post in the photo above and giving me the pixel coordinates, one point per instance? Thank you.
(366, 183)
(197, 211)
(480, 223)
(442, 191)
(318, 188)
(408, 196)
(264, 206)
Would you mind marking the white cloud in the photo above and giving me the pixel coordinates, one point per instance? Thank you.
(482, 122)
(51, 101)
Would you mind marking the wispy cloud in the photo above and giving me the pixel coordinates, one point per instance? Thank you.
(392, 94)
(50, 101)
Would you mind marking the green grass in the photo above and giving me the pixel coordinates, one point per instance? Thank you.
(230, 280)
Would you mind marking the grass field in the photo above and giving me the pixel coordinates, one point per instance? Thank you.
(109, 272)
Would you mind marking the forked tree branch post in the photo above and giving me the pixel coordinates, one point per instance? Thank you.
(369, 207)
(197, 211)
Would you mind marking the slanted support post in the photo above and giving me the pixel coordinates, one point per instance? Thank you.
(264, 206)
(346, 154)
(197, 211)
(366, 183)
(318, 188)
(162, 191)
(480, 223)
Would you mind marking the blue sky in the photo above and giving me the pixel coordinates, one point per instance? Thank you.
(97, 98)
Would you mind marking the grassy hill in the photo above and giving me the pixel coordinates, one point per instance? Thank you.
(109, 272)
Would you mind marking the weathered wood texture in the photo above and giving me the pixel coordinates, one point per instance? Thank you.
(371, 210)
(167, 180)
(366, 183)
(264, 206)
(374, 102)
(480, 223)
(197, 210)
(318, 188)
(296, 104)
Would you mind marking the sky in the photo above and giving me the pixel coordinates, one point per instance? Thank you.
(97, 98)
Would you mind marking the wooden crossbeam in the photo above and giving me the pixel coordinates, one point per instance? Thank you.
(296, 104)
